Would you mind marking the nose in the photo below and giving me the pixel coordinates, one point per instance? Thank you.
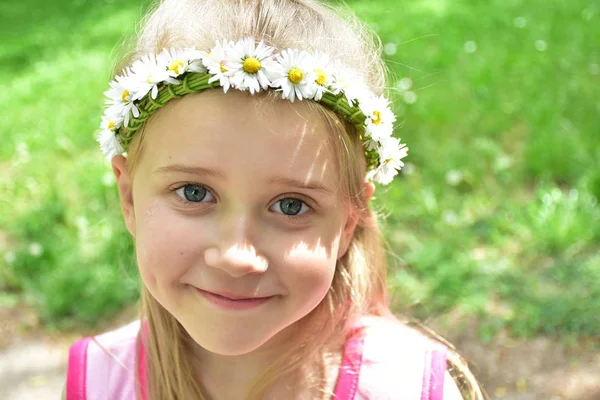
(236, 261)
(233, 252)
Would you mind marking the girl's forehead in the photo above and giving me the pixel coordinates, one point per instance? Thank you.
(237, 130)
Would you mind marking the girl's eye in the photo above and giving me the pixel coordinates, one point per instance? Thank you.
(291, 207)
(194, 193)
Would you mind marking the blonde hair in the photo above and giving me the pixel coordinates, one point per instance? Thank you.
(360, 284)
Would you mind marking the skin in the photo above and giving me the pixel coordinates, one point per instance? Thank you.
(237, 238)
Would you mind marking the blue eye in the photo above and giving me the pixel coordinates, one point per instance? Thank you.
(193, 193)
(292, 207)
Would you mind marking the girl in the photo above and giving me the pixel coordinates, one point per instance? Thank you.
(254, 132)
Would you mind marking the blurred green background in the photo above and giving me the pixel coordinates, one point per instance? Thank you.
(496, 215)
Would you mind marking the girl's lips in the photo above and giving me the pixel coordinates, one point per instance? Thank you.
(233, 303)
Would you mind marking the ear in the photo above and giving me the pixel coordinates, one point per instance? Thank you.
(368, 190)
(352, 221)
(121, 171)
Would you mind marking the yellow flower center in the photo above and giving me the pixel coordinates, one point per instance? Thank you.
(388, 160)
(321, 77)
(377, 119)
(124, 96)
(251, 65)
(111, 124)
(223, 69)
(295, 75)
(176, 66)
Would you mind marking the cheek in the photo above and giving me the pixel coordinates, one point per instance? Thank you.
(167, 245)
(309, 267)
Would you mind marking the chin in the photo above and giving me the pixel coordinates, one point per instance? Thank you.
(236, 344)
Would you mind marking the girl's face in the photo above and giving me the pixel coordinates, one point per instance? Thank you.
(237, 216)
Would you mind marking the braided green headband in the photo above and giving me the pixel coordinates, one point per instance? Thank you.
(249, 66)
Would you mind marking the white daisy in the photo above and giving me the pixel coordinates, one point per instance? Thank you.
(195, 60)
(391, 152)
(252, 65)
(120, 98)
(120, 89)
(323, 74)
(109, 143)
(150, 71)
(217, 64)
(177, 61)
(296, 76)
(379, 122)
(371, 144)
(111, 122)
(346, 81)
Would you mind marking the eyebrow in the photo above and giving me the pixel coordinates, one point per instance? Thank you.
(189, 170)
(277, 180)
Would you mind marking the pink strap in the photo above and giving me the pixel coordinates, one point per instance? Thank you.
(142, 366)
(347, 383)
(433, 374)
(76, 370)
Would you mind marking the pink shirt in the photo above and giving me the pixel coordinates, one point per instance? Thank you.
(386, 360)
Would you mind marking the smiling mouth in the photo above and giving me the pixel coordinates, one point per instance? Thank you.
(233, 302)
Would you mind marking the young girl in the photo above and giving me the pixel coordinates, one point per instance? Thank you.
(254, 132)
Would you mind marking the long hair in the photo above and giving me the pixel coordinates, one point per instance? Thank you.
(359, 285)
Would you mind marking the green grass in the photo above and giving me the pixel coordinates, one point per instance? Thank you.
(497, 214)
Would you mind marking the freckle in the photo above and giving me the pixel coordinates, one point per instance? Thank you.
(181, 253)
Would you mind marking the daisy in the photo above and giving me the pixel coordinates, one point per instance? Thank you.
(391, 152)
(120, 98)
(296, 76)
(111, 122)
(217, 64)
(344, 80)
(371, 144)
(379, 121)
(109, 143)
(323, 74)
(178, 62)
(120, 89)
(195, 60)
(252, 65)
(150, 71)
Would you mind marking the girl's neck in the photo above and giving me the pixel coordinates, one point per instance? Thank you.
(228, 377)
(232, 377)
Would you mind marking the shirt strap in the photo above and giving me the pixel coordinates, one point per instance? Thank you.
(347, 383)
(143, 360)
(433, 373)
(76, 370)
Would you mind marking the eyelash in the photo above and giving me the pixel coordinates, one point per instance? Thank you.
(191, 203)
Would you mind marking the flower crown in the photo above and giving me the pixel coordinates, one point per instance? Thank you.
(153, 80)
